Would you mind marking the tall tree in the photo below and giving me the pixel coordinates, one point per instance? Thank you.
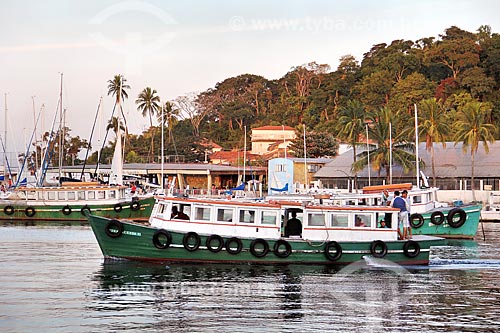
(350, 126)
(383, 123)
(148, 103)
(471, 128)
(433, 125)
(117, 87)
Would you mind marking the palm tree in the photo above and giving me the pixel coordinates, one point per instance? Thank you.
(382, 121)
(471, 128)
(148, 103)
(117, 87)
(113, 124)
(434, 126)
(350, 125)
(170, 117)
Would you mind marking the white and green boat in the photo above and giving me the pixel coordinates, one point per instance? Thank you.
(67, 203)
(241, 232)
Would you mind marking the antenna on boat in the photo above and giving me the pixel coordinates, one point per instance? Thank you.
(416, 146)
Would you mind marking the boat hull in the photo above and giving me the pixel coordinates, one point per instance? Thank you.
(455, 229)
(23, 210)
(137, 242)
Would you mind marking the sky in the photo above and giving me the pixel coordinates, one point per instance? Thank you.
(181, 47)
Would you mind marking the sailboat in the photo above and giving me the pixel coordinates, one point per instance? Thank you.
(68, 201)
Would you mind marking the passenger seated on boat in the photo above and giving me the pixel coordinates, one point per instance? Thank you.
(293, 226)
(382, 224)
(359, 222)
(178, 214)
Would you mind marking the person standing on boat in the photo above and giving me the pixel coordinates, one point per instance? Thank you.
(293, 226)
(408, 232)
(402, 205)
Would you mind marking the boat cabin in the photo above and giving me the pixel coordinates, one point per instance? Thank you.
(231, 218)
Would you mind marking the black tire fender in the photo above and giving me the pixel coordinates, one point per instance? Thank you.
(333, 256)
(135, 205)
(263, 252)
(30, 211)
(157, 240)
(113, 225)
(416, 221)
(214, 238)
(85, 208)
(407, 249)
(239, 245)
(8, 210)
(378, 248)
(66, 210)
(118, 207)
(282, 254)
(188, 237)
(437, 218)
(452, 221)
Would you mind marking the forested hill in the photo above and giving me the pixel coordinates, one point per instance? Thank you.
(443, 75)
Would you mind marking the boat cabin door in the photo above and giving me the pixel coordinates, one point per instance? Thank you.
(292, 222)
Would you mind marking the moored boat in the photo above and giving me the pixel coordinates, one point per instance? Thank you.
(68, 202)
(237, 231)
(432, 217)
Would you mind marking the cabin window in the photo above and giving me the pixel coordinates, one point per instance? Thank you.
(101, 195)
(417, 199)
(340, 220)
(61, 196)
(161, 209)
(51, 195)
(224, 214)
(247, 216)
(268, 217)
(91, 195)
(40, 196)
(202, 213)
(81, 195)
(362, 220)
(316, 219)
(112, 194)
(71, 195)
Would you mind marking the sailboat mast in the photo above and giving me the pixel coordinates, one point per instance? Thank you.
(416, 145)
(162, 143)
(60, 127)
(5, 130)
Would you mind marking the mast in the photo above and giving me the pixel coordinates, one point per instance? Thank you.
(390, 153)
(368, 149)
(60, 127)
(244, 154)
(5, 131)
(416, 146)
(162, 144)
(305, 158)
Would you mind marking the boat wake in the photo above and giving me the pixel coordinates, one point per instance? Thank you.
(438, 263)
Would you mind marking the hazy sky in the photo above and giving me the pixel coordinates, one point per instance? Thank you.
(177, 47)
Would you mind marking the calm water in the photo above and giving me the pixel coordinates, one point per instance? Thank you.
(54, 279)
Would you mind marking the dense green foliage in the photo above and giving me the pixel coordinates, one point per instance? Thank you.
(442, 75)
